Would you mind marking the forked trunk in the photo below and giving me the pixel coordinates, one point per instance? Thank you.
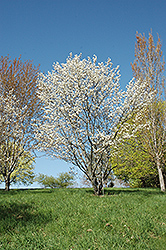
(161, 178)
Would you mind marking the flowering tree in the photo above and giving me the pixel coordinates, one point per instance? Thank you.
(85, 113)
(20, 109)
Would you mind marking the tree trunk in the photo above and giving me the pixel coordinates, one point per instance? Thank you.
(161, 177)
(7, 183)
(97, 186)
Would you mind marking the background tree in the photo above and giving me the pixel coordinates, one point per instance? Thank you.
(149, 66)
(46, 181)
(85, 110)
(135, 166)
(64, 180)
(20, 110)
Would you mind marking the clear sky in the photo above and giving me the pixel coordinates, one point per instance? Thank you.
(46, 31)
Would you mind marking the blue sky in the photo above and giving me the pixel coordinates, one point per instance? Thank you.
(46, 31)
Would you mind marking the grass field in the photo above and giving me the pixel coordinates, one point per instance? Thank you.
(76, 219)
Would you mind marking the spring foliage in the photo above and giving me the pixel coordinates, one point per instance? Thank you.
(133, 165)
(64, 180)
(141, 159)
(23, 171)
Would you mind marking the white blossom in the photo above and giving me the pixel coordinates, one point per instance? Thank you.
(85, 112)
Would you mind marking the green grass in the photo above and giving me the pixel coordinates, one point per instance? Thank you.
(76, 219)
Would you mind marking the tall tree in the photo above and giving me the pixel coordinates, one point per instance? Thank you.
(20, 110)
(85, 110)
(149, 66)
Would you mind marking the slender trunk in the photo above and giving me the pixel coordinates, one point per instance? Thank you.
(7, 183)
(161, 177)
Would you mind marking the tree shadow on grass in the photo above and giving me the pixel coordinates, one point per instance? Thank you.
(29, 191)
(22, 215)
(135, 191)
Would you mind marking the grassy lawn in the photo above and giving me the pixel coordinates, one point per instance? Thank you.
(76, 219)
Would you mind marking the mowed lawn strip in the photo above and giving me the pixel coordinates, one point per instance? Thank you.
(76, 219)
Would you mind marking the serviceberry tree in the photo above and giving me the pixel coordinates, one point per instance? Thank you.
(86, 114)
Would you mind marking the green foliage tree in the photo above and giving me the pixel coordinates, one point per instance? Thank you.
(134, 160)
(46, 181)
(21, 172)
(133, 165)
(64, 180)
